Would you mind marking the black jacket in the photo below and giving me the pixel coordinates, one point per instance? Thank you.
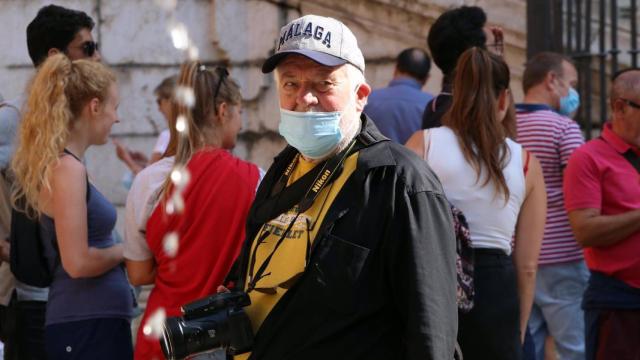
(381, 281)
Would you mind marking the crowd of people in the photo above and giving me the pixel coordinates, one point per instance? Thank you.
(394, 225)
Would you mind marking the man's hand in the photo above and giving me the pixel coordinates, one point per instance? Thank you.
(121, 150)
(134, 160)
(139, 158)
(497, 46)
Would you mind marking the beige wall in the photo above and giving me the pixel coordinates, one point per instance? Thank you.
(239, 33)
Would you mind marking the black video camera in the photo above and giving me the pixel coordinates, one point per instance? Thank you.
(217, 321)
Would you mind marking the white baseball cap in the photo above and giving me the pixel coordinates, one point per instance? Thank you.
(322, 39)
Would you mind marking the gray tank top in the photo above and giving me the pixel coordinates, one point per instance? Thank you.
(104, 296)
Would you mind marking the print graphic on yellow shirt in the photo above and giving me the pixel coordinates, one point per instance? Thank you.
(288, 261)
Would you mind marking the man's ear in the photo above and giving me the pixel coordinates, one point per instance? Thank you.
(549, 80)
(361, 96)
(617, 106)
(53, 51)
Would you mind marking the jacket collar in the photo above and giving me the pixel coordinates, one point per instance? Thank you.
(371, 157)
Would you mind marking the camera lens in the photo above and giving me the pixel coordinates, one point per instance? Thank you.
(182, 338)
(172, 337)
(208, 324)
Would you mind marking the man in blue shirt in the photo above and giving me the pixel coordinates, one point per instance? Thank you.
(397, 109)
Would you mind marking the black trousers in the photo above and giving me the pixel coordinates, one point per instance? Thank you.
(95, 339)
(491, 330)
(23, 330)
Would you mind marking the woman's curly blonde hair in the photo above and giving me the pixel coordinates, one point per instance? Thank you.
(57, 94)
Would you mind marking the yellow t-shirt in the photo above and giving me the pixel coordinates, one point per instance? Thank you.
(289, 260)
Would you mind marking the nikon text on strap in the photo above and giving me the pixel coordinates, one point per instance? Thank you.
(326, 175)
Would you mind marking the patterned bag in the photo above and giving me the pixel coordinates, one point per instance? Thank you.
(464, 261)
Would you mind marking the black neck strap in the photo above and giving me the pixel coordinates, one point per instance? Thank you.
(70, 153)
(322, 179)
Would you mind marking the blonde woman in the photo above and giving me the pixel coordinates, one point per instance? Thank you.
(72, 106)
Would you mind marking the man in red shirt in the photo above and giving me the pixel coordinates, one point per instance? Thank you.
(602, 197)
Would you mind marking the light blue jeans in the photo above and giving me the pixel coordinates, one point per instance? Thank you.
(557, 309)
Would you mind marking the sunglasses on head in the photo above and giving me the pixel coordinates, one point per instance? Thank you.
(222, 73)
(89, 48)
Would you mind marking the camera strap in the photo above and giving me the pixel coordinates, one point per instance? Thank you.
(325, 176)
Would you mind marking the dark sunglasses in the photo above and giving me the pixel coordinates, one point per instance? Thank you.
(89, 48)
(630, 103)
(222, 73)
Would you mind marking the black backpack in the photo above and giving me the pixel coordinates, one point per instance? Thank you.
(28, 262)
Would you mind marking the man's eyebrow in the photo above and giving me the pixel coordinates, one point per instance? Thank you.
(324, 72)
(287, 74)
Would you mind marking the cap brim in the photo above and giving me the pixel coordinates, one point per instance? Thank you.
(319, 57)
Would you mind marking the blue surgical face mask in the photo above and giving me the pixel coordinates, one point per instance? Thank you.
(569, 103)
(314, 134)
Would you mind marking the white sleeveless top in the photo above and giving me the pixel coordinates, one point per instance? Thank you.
(491, 221)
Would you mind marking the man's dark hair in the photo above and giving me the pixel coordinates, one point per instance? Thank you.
(540, 65)
(54, 27)
(455, 31)
(414, 62)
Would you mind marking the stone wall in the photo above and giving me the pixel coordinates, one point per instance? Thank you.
(239, 34)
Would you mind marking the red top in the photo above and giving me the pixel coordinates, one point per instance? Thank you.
(599, 177)
(211, 231)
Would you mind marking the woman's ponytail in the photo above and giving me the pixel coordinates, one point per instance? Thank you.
(57, 95)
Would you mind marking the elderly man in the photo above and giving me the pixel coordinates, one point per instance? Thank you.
(350, 250)
(602, 196)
